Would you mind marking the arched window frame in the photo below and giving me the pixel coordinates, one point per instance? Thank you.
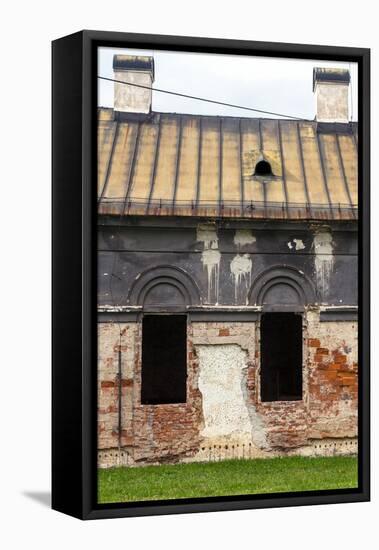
(169, 275)
(282, 275)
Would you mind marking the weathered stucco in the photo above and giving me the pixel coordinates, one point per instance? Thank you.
(323, 259)
(224, 416)
(297, 244)
(225, 262)
(215, 273)
(240, 267)
(210, 258)
(243, 237)
(220, 383)
(332, 102)
(131, 99)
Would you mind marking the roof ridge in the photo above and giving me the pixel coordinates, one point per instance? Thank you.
(152, 114)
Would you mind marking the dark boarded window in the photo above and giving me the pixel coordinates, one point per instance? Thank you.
(281, 357)
(164, 359)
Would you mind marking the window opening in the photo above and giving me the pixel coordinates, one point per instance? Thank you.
(281, 357)
(164, 359)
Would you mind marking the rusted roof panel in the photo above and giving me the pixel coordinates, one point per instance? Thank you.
(105, 141)
(231, 162)
(188, 165)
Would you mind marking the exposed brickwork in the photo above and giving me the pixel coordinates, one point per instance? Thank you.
(323, 422)
(333, 379)
(285, 421)
(166, 433)
(150, 433)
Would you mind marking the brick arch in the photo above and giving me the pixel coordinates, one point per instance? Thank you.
(164, 288)
(281, 288)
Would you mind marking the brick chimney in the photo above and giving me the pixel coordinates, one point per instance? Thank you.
(135, 69)
(331, 88)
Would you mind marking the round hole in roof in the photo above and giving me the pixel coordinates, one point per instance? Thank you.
(263, 168)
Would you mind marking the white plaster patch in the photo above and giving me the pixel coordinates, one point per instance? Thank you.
(211, 261)
(297, 244)
(241, 267)
(210, 258)
(324, 260)
(220, 382)
(243, 237)
(207, 234)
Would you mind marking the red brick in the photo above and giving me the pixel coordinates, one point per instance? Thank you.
(313, 342)
(322, 351)
(347, 381)
(330, 375)
(167, 433)
(107, 384)
(334, 366)
(319, 358)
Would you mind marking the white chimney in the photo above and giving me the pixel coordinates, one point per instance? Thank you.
(134, 69)
(331, 88)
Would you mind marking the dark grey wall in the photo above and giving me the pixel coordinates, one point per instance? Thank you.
(127, 251)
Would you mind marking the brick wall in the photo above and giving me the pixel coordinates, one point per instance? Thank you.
(324, 422)
(150, 433)
(333, 380)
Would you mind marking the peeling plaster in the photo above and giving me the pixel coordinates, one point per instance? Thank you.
(297, 244)
(207, 234)
(211, 261)
(324, 260)
(258, 428)
(229, 420)
(243, 237)
(241, 267)
(210, 258)
(220, 382)
(228, 413)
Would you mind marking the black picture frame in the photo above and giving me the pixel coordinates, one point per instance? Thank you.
(74, 90)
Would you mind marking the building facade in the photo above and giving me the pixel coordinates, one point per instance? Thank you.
(227, 279)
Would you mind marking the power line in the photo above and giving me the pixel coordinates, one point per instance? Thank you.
(206, 100)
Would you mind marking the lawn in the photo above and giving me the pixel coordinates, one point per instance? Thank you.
(229, 477)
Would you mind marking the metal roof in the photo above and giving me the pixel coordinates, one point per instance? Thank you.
(190, 165)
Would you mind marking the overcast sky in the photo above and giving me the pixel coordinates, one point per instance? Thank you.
(280, 85)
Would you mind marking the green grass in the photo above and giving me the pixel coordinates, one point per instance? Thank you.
(230, 477)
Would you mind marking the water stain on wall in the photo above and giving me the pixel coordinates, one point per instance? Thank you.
(211, 261)
(210, 258)
(324, 260)
(240, 267)
(243, 237)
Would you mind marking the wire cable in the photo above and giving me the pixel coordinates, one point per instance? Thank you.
(206, 100)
